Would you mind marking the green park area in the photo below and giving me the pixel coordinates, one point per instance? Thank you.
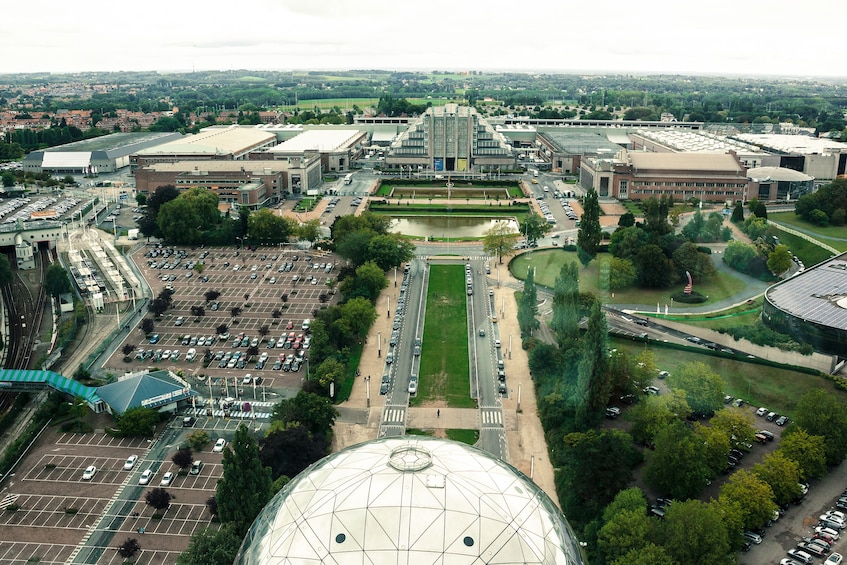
(834, 236)
(444, 370)
(428, 191)
(777, 388)
(548, 263)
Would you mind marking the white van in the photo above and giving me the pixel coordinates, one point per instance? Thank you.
(190, 354)
(306, 323)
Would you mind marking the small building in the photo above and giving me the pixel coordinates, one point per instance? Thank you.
(778, 183)
(337, 147)
(160, 390)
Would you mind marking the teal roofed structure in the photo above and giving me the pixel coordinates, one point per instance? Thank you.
(152, 390)
(18, 380)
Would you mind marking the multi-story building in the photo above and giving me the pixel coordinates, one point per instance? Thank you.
(450, 139)
(710, 177)
(244, 183)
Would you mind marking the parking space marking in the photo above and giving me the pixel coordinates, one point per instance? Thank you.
(27, 552)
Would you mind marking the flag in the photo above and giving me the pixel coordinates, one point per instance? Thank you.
(690, 285)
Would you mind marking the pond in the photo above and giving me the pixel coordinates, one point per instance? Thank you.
(458, 227)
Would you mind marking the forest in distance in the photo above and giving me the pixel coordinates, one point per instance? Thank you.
(818, 104)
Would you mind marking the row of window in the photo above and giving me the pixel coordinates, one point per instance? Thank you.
(685, 193)
(677, 184)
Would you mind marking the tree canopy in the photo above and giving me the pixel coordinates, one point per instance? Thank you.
(499, 240)
(245, 486)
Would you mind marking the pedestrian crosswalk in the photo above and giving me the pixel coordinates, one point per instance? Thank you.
(492, 417)
(394, 415)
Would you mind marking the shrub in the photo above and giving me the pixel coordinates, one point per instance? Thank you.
(693, 298)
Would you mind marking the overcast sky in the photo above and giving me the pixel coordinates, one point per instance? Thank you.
(727, 37)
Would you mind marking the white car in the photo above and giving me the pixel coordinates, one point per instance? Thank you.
(827, 532)
(167, 479)
(219, 445)
(89, 473)
(834, 559)
(145, 477)
(840, 515)
(130, 462)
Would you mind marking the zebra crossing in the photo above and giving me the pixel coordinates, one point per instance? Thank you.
(491, 417)
(240, 414)
(394, 415)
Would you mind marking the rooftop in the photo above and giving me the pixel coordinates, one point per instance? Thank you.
(695, 140)
(801, 144)
(705, 162)
(817, 295)
(319, 140)
(214, 141)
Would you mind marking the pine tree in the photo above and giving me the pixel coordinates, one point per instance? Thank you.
(593, 380)
(245, 487)
(528, 305)
(590, 234)
(565, 323)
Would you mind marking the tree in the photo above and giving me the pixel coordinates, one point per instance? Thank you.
(737, 213)
(314, 412)
(148, 223)
(627, 220)
(716, 445)
(212, 547)
(245, 487)
(139, 421)
(753, 496)
(688, 258)
(593, 386)
(779, 260)
(565, 322)
(656, 212)
(806, 450)
(734, 424)
(694, 533)
(198, 439)
(56, 280)
(211, 295)
(654, 269)
(183, 458)
(181, 220)
(590, 233)
(703, 388)
(738, 255)
(597, 465)
(679, 465)
(358, 314)
(129, 548)
(310, 230)
(781, 474)
(329, 371)
(823, 414)
(499, 240)
(626, 242)
(528, 306)
(368, 282)
(390, 250)
(158, 498)
(128, 348)
(534, 227)
(290, 448)
(650, 554)
(628, 530)
(212, 505)
(622, 273)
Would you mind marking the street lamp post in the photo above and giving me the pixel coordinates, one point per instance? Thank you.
(395, 277)
(379, 344)
(388, 307)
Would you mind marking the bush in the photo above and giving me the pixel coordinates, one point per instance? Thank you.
(693, 298)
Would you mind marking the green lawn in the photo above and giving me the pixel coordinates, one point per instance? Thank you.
(444, 370)
(760, 385)
(549, 262)
(469, 437)
(825, 234)
(744, 315)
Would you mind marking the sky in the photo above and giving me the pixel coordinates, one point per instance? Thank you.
(723, 37)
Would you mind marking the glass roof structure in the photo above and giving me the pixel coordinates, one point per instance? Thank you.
(411, 500)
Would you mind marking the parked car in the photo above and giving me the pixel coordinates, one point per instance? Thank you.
(89, 473)
(145, 477)
(782, 420)
(752, 537)
(834, 559)
(196, 467)
(130, 462)
(167, 479)
(801, 556)
(219, 445)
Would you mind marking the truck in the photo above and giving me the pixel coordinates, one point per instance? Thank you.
(348, 179)
(133, 233)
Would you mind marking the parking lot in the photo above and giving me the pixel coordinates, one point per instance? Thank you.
(269, 290)
(59, 516)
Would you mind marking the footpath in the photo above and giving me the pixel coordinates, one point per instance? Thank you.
(527, 448)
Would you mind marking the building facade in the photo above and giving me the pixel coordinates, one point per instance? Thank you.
(709, 177)
(451, 139)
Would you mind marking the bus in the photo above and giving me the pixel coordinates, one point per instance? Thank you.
(348, 179)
